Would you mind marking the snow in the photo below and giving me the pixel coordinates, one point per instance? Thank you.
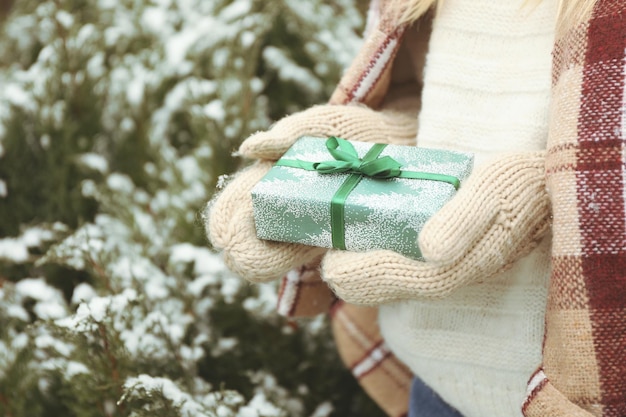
(141, 344)
(203, 306)
(323, 410)
(18, 97)
(95, 65)
(97, 309)
(50, 310)
(95, 162)
(191, 354)
(174, 331)
(247, 39)
(45, 141)
(190, 170)
(154, 19)
(136, 87)
(206, 263)
(188, 406)
(155, 290)
(83, 292)
(236, 10)
(259, 406)
(49, 301)
(16, 249)
(65, 19)
(86, 32)
(185, 252)
(46, 341)
(215, 110)
(19, 341)
(13, 250)
(220, 57)
(74, 368)
(230, 287)
(43, 384)
(121, 183)
(231, 131)
(256, 85)
(18, 312)
(57, 111)
(224, 344)
(111, 35)
(197, 286)
(288, 70)
(223, 411)
(128, 124)
(35, 236)
(107, 4)
(120, 301)
(110, 409)
(178, 45)
(176, 48)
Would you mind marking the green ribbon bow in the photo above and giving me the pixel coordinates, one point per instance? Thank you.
(347, 161)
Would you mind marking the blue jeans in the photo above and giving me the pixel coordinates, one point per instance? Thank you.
(425, 402)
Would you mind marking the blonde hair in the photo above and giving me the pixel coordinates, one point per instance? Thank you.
(570, 12)
(411, 10)
(573, 12)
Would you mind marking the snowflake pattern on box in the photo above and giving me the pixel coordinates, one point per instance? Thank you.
(293, 204)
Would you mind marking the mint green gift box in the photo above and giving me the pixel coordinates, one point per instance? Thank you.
(355, 196)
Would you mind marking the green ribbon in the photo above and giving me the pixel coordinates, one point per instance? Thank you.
(347, 161)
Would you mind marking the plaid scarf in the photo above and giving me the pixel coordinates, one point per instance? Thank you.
(583, 366)
(583, 370)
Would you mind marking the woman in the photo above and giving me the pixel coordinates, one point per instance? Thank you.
(478, 76)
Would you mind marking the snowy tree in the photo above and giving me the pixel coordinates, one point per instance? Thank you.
(117, 119)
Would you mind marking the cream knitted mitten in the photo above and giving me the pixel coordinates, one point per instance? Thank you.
(230, 226)
(228, 216)
(354, 122)
(498, 216)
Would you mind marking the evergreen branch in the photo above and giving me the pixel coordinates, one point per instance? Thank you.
(115, 373)
(5, 402)
(100, 272)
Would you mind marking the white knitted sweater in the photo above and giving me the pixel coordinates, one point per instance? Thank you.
(486, 90)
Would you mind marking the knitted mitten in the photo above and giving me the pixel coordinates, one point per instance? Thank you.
(229, 219)
(498, 216)
(353, 122)
(230, 227)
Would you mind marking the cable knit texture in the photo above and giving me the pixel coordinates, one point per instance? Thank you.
(352, 122)
(486, 90)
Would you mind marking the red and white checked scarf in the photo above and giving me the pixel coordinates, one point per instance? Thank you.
(584, 367)
(584, 355)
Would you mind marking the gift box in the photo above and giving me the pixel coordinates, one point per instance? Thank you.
(357, 196)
